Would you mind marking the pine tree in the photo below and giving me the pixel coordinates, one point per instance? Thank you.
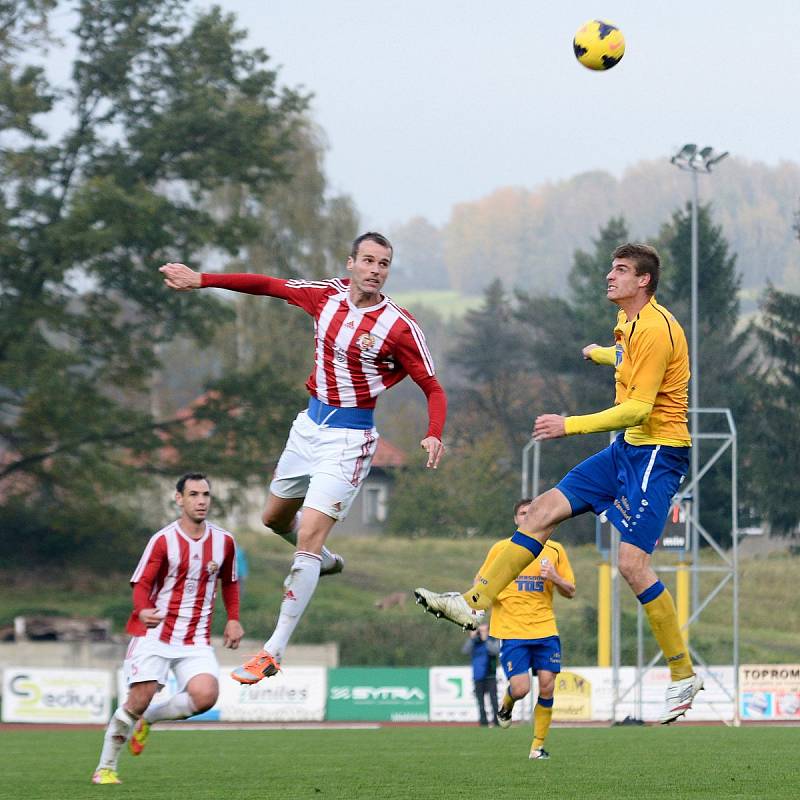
(773, 455)
(491, 355)
(724, 350)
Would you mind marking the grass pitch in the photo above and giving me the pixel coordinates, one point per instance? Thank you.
(413, 763)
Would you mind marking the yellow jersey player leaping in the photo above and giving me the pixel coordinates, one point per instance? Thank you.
(523, 619)
(632, 481)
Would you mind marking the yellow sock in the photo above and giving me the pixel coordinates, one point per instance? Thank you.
(542, 716)
(508, 564)
(508, 702)
(663, 618)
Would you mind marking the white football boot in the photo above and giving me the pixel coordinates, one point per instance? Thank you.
(452, 606)
(680, 695)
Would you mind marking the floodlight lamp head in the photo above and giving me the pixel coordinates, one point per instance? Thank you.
(685, 157)
(715, 160)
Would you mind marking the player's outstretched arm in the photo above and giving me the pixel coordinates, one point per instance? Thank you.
(625, 415)
(180, 277)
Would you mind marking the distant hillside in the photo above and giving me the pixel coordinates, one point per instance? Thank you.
(527, 237)
(445, 302)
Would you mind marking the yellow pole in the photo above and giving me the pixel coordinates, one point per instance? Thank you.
(682, 598)
(604, 614)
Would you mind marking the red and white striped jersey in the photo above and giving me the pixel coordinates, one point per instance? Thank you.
(181, 574)
(359, 352)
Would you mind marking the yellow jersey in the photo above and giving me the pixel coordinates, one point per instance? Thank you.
(652, 365)
(524, 609)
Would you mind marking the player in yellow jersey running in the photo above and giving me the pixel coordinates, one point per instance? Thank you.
(523, 619)
(632, 481)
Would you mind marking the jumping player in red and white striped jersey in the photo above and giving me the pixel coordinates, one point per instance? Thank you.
(364, 344)
(174, 588)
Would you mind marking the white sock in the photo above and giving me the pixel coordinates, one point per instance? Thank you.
(299, 588)
(116, 735)
(179, 706)
(291, 536)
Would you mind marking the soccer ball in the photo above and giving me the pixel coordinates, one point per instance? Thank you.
(598, 45)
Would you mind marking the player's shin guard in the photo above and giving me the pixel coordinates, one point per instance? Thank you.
(115, 736)
(663, 618)
(517, 554)
(299, 587)
(542, 717)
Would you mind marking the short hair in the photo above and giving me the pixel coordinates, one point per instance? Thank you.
(526, 501)
(369, 236)
(646, 259)
(190, 476)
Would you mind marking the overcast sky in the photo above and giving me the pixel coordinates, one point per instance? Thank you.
(428, 103)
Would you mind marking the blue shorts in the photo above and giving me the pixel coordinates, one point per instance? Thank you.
(633, 484)
(520, 655)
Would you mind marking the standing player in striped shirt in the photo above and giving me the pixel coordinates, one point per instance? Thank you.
(364, 344)
(174, 588)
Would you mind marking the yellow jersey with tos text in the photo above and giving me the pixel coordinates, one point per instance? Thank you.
(652, 365)
(524, 609)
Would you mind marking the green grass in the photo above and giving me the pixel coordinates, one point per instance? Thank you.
(428, 763)
(343, 609)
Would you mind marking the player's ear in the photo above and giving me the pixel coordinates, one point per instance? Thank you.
(349, 264)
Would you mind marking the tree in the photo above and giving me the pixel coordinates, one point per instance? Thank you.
(161, 118)
(472, 493)
(723, 348)
(773, 451)
(517, 235)
(495, 387)
(563, 327)
(301, 232)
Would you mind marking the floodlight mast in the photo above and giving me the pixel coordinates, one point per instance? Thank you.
(691, 159)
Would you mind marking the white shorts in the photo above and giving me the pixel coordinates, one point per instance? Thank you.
(149, 659)
(324, 465)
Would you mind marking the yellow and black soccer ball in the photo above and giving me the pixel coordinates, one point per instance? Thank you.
(599, 45)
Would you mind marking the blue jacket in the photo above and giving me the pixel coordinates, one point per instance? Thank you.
(484, 656)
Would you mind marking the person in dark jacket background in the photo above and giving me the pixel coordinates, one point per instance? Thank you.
(484, 650)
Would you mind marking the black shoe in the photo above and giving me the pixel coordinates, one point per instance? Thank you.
(504, 718)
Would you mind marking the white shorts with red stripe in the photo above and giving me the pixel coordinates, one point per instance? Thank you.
(324, 465)
(149, 659)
